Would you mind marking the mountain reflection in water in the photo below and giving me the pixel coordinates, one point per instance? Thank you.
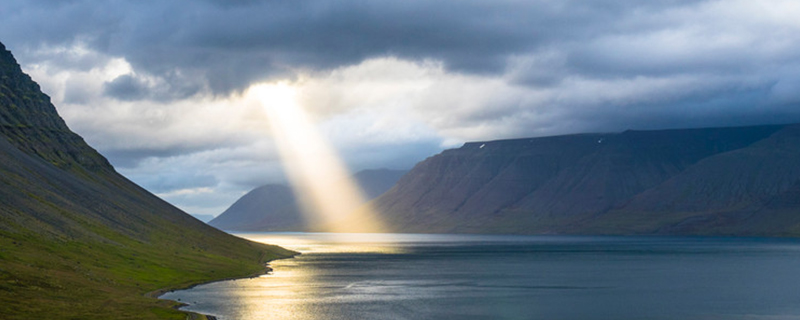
(385, 276)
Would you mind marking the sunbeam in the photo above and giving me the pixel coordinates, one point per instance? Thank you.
(331, 200)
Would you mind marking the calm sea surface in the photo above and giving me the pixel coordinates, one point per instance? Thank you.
(382, 276)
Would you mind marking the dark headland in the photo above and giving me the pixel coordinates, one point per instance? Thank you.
(80, 241)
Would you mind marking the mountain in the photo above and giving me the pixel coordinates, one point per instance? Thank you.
(270, 207)
(274, 207)
(80, 241)
(715, 181)
(376, 182)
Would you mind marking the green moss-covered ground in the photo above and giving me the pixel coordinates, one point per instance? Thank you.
(51, 278)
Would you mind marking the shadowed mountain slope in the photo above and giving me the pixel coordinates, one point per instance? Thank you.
(80, 241)
(606, 183)
(272, 207)
(748, 191)
(275, 207)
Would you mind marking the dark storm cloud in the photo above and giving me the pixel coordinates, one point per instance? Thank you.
(230, 44)
(736, 50)
(235, 43)
(167, 88)
(126, 87)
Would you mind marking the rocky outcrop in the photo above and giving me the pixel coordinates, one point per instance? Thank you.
(30, 122)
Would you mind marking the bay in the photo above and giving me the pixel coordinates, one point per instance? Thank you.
(413, 276)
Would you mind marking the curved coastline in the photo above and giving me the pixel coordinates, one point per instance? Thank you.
(156, 294)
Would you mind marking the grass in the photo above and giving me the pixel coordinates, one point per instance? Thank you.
(74, 279)
(78, 240)
(93, 247)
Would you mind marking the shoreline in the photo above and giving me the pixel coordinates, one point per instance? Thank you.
(156, 294)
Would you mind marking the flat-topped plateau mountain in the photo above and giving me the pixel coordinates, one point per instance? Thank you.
(710, 181)
(80, 241)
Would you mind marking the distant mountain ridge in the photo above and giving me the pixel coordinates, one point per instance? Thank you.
(274, 207)
(270, 207)
(80, 241)
(717, 181)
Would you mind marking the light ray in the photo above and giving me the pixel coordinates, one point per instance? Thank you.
(331, 200)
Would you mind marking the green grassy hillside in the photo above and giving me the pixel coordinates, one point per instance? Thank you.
(80, 241)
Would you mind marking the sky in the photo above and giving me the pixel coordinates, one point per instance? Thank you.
(160, 87)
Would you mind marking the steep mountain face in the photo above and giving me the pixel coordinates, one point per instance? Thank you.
(275, 207)
(604, 183)
(749, 191)
(78, 240)
(30, 122)
(376, 182)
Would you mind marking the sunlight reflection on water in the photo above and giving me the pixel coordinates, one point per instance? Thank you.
(382, 276)
(296, 290)
(306, 243)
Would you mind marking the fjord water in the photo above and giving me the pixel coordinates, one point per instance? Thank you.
(383, 276)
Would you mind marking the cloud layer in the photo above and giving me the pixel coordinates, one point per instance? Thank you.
(157, 85)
